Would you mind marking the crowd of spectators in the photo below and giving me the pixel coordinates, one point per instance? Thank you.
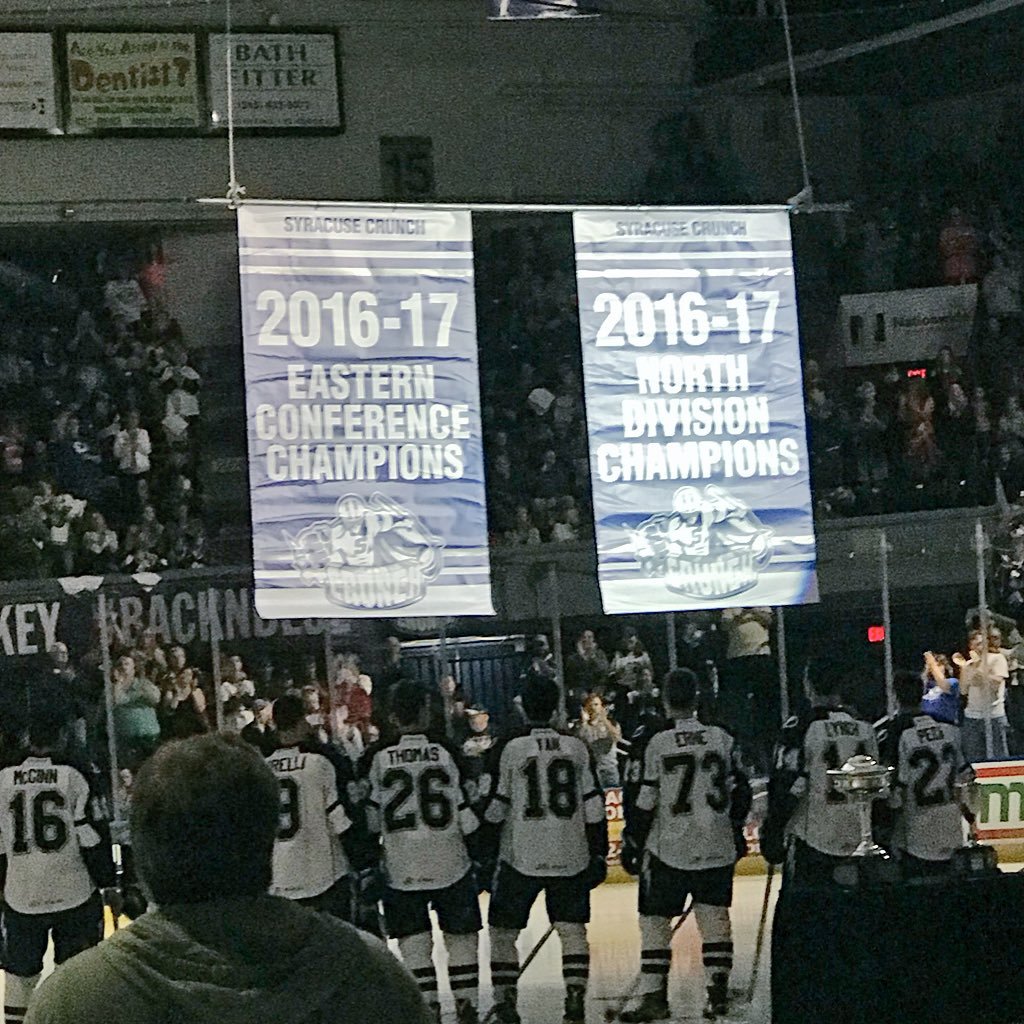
(99, 414)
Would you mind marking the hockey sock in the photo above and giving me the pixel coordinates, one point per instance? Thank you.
(17, 993)
(504, 963)
(655, 953)
(575, 953)
(716, 934)
(417, 956)
(463, 965)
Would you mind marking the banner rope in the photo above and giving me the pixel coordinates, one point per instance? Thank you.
(236, 192)
(797, 116)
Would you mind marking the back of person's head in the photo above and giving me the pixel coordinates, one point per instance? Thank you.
(46, 730)
(204, 816)
(823, 682)
(679, 690)
(408, 705)
(540, 700)
(289, 711)
(907, 686)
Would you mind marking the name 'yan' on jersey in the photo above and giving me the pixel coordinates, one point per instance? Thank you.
(823, 818)
(546, 795)
(44, 822)
(687, 782)
(419, 807)
(929, 823)
(308, 855)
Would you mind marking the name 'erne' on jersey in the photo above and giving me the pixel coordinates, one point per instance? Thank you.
(45, 825)
(545, 795)
(690, 770)
(930, 761)
(308, 854)
(418, 806)
(823, 818)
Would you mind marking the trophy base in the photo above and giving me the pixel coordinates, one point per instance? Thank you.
(874, 867)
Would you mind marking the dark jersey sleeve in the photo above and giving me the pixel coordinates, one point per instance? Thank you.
(787, 767)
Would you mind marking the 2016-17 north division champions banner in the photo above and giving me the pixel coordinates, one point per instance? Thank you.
(695, 408)
(365, 453)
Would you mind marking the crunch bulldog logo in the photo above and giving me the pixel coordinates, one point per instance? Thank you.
(710, 545)
(374, 554)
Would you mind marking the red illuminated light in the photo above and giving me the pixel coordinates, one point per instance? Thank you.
(918, 372)
(876, 634)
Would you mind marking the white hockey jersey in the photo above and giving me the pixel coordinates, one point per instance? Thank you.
(308, 855)
(44, 823)
(823, 818)
(688, 772)
(929, 822)
(545, 796)
(418, 806)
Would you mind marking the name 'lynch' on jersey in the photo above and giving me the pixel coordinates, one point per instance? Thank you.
(687, 781)
(825, 819)
(545, 796)
(929, 822)
(308, 855)
(44, 824)
(418, 806)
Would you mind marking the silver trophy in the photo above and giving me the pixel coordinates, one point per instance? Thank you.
(863, 780)
(973, 858)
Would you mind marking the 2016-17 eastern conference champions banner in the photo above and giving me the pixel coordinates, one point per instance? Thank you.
(695, 411)
(363, 406)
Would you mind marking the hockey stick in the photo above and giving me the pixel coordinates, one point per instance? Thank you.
(759, 947)
(613, 1012)
(532, 955)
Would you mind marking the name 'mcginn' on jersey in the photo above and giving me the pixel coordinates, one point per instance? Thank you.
(45, 826)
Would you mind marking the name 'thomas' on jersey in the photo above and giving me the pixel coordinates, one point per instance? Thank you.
(822, 818)
(308, 855)
(45, 825)
(929, 822)
(417, 805)
(689, 774)
(545, 796)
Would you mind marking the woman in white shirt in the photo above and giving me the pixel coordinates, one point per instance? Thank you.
(983, 680)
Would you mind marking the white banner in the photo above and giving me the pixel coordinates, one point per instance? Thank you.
(906, 326)
(522, 10)
(27, 82)
(279, 80)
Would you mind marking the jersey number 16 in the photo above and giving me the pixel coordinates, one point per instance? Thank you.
(49, 832)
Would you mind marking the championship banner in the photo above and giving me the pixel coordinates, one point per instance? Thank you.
(520, 10)
(695, 412)
(365, 455)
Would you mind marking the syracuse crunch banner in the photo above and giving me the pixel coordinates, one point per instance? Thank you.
(365, 456)
(695, 408)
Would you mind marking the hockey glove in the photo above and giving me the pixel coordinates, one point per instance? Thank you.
(630, 856)
(596, 872)
(370, 885)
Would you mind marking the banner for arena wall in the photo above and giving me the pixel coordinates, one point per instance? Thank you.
(365, 455)
(522, 10)
(695, 412)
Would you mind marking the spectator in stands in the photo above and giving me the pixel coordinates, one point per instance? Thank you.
(586, 671)
(260, 732)
(182, 706)
(631, 668)
(523, 530)
(942, 690)
(917, 413)
(983, 676)
(136, 725)
(602, 734)
(748, 695)
(960, 249)
(132, 449)
(99, 546)
(868, 432)
(1011, 423)
(350, 694)
(1001, 288)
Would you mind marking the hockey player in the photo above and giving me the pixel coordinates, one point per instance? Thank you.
(808, 825)
(684, 835)
(311, 865)
(418, 807)
(55, 856)
(929, 762)
(553, 839)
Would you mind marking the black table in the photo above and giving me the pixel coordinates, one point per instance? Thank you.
(950, 953)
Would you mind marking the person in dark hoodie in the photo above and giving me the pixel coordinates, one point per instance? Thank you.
(214, 948)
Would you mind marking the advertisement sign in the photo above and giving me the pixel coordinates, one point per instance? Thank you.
(695, 411)
(365, 454)
(908, 326)
(27, 82)
(279, 80)
(131, 80)
(1000, 800)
